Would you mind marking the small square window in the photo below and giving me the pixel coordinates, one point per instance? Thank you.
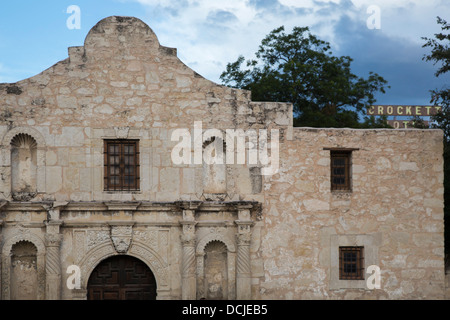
(351, 263)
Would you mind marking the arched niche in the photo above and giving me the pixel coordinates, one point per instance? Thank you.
(216, 271)
(24, 275)
(23, 167)
(14, 248)
(214, 166)
(215, 275)
(12, 142)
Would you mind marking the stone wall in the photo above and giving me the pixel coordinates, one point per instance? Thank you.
(226, 231)
(395, 209)
(121, 84)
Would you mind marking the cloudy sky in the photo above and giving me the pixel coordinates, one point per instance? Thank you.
(383, 36)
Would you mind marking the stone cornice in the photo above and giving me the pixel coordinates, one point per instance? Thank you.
(188, 205)
(122, 205)
(107, 224)
(26, 206)
(33, 224)
(3, 203)
(134, 206)
(121, 223)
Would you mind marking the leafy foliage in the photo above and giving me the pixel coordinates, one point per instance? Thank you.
(300, 68)
(440, 54)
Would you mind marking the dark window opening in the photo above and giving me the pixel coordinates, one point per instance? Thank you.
(340, 170)
(121, 165)
(351, 263)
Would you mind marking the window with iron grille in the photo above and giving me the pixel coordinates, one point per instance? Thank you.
(121, 165)
(351, 263)
(340, 170)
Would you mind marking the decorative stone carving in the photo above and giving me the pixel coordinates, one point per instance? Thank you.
(149, 237)
(79, 241)
(243, 265)
(215, 236)
(163, 245)
(96, 237)
(92, 259)
(188, 236)
(53, 240)
(53, 266)
(244, 239)
(188, 262)
(23, 196)
(122, 132)
(24, 130)
(121, 237)
(154, 261)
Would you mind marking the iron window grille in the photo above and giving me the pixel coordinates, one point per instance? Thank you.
(340, 170)
(121, 164)
(351, 263)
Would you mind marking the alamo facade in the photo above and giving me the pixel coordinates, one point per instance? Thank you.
(101, 196)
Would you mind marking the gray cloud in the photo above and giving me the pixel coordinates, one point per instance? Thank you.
(397, 59)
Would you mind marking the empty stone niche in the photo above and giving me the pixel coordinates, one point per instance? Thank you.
(23, 167)
(214, 169)
(216, 271)
(24, 279)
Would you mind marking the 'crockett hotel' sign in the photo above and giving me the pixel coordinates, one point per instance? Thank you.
(403, 110)
(411, 111)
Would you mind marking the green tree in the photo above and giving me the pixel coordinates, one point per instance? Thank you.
(440, 54)
(300, 68)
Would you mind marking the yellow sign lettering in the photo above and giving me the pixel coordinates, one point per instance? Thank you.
(418, 111)
(408, 110)
(400, 110)
(380, 109)
(389, 110)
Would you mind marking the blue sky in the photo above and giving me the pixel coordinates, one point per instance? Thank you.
(210, 33)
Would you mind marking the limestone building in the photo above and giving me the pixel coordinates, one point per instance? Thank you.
(123, 175)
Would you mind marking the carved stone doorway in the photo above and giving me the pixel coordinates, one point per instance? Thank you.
(121, 278)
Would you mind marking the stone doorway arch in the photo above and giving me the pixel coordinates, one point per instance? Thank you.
(121, 277)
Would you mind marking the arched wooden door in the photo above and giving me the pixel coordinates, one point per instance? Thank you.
(121, 278)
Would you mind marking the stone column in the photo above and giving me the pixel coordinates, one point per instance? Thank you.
(52, 258)
(188, 278)
(243, 266)
(188, 262)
